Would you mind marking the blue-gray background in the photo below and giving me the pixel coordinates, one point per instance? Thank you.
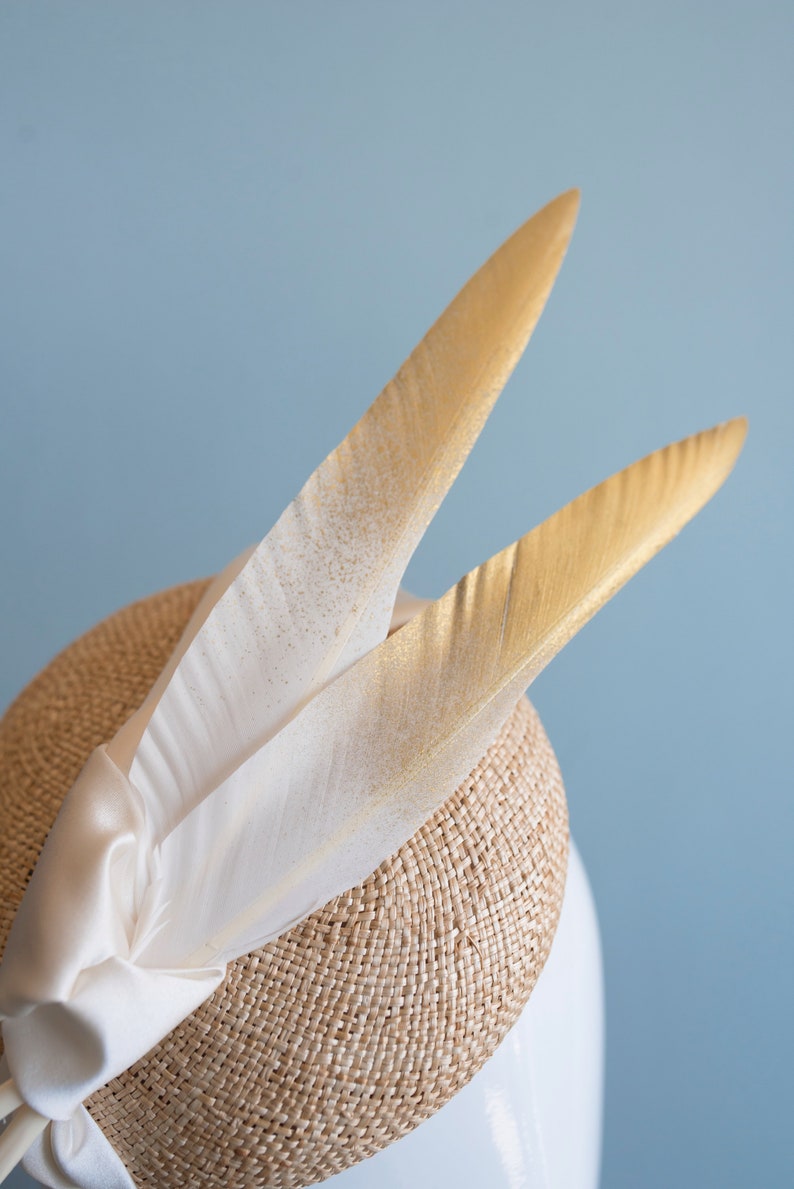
(222, 227)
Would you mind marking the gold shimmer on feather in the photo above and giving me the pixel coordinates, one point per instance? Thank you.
(424, 706)
(417, 434)
(494, 632)
(511, 615)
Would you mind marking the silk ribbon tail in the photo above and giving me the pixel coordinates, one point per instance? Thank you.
(76, 1152)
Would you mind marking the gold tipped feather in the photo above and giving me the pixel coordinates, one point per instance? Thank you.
(411, 443)
(376, 752)
(509, 617)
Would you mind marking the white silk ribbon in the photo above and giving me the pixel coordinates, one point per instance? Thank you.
(76, 1152)
(76, 1008)
(78, 1002)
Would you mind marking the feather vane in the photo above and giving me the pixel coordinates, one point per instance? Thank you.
(372, 756)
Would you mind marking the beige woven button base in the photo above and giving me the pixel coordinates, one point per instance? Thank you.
(343, 1035)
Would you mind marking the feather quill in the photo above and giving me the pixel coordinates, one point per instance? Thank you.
(318, 593)
(371, 757)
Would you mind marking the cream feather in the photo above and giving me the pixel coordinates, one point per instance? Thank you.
(318, 592)
(370, 758)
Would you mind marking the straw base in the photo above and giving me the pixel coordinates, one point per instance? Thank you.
(343, 1035)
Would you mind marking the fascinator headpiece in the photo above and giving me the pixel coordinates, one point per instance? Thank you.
(312, 842)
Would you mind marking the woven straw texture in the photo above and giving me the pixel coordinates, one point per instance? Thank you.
(350, 1030)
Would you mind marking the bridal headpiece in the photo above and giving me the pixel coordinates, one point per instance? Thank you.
(308, 867)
